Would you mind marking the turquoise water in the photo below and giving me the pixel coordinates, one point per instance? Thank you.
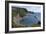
(30, 19)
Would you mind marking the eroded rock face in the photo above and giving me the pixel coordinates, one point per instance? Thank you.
(22, 11)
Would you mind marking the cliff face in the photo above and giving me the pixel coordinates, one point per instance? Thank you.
(21, 11)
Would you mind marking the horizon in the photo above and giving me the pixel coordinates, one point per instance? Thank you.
(29, 7)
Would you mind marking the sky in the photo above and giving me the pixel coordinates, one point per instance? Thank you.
(29, 7)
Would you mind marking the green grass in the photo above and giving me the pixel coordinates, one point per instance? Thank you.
(35, 25)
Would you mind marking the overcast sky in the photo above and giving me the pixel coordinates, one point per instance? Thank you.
(29, 7)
